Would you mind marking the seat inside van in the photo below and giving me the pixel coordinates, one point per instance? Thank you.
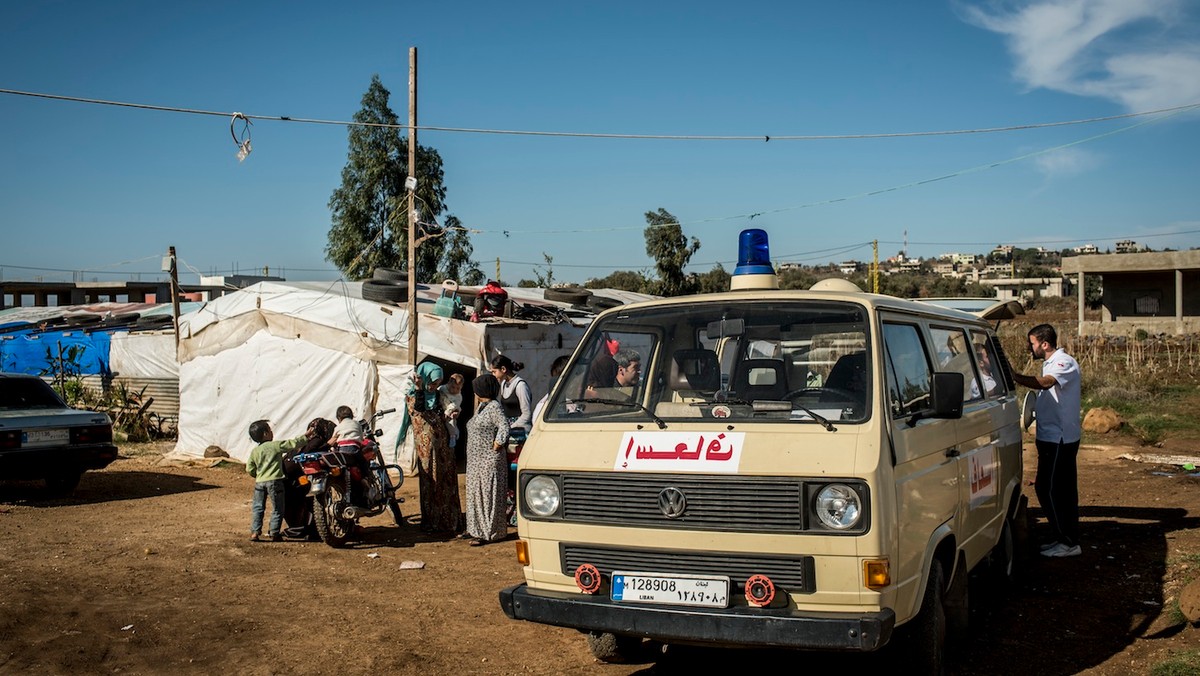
(849, 374)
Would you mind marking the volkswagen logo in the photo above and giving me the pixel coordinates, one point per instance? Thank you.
(672, 502)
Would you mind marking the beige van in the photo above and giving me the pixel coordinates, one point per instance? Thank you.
(809, 469)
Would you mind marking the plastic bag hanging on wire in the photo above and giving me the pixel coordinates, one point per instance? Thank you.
(242, 140)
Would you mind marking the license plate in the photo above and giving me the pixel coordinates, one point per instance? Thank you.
(710, 591)
(37, 437)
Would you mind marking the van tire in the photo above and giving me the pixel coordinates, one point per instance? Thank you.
(957, 604)
(924, 637)
(613, 648)
(1003, 557)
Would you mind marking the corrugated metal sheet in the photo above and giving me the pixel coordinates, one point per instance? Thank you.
(165, 392)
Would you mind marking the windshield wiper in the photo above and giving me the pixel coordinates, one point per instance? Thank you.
(816, 416)
(627, 403)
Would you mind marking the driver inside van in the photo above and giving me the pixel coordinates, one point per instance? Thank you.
(625, 378)
(985, 371)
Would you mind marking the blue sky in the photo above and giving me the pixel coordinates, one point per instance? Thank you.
(107, 189)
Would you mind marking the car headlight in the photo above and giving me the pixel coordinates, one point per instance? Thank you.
(542, 496)
(838, 506)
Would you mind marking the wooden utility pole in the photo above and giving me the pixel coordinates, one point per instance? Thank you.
(412, 206)
(875, 266)
(174, 295)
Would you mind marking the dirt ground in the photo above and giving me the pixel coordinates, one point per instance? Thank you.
(148, 570)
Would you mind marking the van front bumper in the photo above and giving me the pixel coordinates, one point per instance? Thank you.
(745, 626)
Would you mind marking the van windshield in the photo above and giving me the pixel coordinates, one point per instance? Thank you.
(778, 361)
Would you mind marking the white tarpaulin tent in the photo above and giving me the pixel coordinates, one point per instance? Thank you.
(291, 352)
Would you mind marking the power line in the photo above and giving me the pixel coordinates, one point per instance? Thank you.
(655, 137)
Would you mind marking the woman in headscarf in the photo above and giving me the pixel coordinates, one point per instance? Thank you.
(437, 469)
(487, 464)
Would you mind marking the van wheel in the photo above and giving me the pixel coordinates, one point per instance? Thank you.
(957, 605)
(924, 637)
(612, 648)
(1003, 557)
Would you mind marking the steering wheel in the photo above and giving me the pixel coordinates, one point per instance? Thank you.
(842, 395)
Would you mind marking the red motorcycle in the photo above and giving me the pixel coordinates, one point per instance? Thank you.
(348, 483)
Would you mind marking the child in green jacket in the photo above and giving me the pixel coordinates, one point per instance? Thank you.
(265, 464)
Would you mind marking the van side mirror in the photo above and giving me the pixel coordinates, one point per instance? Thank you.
(946, 394)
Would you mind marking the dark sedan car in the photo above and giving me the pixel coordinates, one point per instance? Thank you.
(43, 438)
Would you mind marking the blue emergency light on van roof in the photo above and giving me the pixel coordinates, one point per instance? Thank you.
(754, 269)
(754, 254)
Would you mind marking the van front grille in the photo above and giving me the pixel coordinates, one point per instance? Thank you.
(713, 503)
(794, 573)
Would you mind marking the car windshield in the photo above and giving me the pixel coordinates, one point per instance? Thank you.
(20, 394)
(779, 361)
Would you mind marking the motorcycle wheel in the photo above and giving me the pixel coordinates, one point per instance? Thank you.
(394, 506)
(333, 529)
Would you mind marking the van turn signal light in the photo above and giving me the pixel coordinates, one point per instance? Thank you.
(876, 573)
(523, 552)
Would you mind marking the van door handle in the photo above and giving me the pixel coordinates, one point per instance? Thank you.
(951, 452)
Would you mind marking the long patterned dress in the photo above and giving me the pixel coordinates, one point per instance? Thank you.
(487, 473)
(437, 469)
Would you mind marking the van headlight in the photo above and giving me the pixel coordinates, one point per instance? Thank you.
(838, 507)
(542, 496)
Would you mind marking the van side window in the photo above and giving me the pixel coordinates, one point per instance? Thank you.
(954, 355)
(908, 372)
(988, 364)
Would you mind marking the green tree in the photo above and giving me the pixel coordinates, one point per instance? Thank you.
(671, 251)
(797, 278)
(369, 210)
(625, 280)
(456, 260)
(713, 281)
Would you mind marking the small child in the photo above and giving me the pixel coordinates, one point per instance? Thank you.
(450, 395)
(349, 432)
(265, 464)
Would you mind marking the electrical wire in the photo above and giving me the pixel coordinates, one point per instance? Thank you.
(861, 195)
(656, 137)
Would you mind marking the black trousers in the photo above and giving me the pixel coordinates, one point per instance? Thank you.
(1057, 486)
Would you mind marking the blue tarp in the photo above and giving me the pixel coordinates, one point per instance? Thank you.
(38, 353)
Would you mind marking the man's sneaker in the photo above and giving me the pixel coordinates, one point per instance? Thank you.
(1061, 550)
(1048, 545)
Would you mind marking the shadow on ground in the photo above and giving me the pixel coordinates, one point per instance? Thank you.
(1063, 616)
(97, 487)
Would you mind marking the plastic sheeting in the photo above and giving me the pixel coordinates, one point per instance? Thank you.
(38, 354)
(288, 382)
(143, 355)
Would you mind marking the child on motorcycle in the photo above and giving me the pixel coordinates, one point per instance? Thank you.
(349, 431)
(265, 464)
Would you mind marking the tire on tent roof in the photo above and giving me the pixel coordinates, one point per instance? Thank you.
(154, 321)
(83, 320)
(568, 294)
(391, 274)
(385, 290)
(602, 303)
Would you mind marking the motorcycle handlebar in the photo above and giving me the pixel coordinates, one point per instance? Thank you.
(385, 412)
